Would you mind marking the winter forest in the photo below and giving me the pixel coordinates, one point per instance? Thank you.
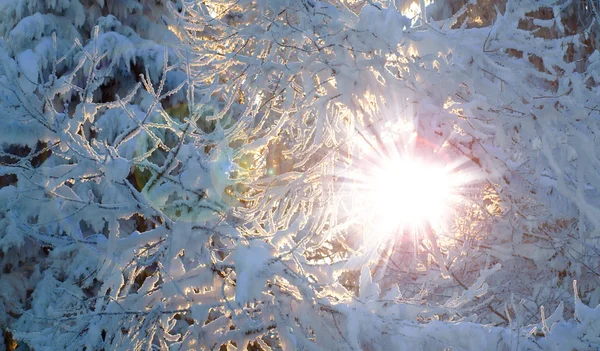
(368, 175)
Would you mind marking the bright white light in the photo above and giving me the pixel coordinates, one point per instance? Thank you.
(397, 183)
(407, 194)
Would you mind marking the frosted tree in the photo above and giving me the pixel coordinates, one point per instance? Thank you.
(338, 84)
(56, 71)
(316, 81)
(548, 232)
(224, 198)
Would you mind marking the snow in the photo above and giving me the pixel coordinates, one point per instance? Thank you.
(368, 290)
(133, 227)
(116, 169)
(195, 176)
(28, 65)
(250, 263)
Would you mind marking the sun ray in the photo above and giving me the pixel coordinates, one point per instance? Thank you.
(399, 184)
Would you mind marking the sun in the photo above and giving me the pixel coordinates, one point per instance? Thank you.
(387, 197)
(402, 187)
(408, 193)
(393, 181)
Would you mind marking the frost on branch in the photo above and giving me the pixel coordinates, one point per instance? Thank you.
(193, 196)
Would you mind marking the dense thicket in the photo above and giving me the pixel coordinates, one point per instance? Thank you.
(179, 175)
